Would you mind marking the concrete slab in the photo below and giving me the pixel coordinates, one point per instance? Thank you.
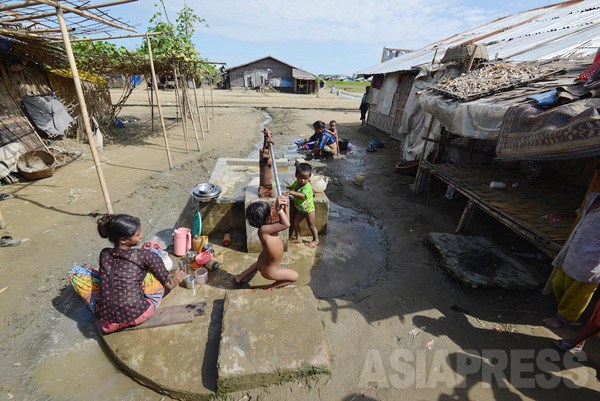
(270, 337)
(179, 360)
(476, 261)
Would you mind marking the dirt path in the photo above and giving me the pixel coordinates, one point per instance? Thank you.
(49, 348)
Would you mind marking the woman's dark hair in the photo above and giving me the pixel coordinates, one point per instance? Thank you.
(258, 214)
(318, 124)
(118, 226)
(304, 168)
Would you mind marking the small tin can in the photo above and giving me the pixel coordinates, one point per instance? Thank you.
(213, 265)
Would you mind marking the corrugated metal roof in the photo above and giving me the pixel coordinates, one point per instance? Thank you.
(257, 60)
(564, 30)
(301, 74)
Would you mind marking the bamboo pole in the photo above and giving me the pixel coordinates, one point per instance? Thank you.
(212, 102)
(205, 107)
(198, 108)
(150, 100)
(183, 117)
(160, 113)
(177, 103)
(419, 177)
(83, 106)
(86, 15)
(189, 109)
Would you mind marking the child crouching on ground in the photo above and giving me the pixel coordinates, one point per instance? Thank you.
(304, 203)
(269, 260)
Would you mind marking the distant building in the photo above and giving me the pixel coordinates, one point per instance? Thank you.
(268, 71)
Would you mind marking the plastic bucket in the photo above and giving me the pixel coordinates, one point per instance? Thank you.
(343, 144)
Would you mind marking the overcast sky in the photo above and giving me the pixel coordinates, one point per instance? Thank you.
(322, 36)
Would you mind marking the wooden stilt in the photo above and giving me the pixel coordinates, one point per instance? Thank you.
(189, 110)
(2, 222)
(84, 111)
(198, 108)
(160, 113)
(466, 217)
(205, 107)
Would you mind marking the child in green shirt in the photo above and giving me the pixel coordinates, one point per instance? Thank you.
(304, 203)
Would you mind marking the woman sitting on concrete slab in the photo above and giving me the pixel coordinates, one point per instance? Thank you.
(130, 283)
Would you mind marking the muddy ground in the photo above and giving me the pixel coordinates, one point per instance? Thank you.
(50, 351)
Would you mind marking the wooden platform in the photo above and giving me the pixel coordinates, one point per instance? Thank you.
(541, 211)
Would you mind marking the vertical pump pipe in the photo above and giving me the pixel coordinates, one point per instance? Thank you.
(275, 174)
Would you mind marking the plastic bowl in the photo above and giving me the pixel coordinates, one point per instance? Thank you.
(203, 258)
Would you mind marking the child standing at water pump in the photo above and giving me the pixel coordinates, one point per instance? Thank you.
(304, 203)
(269, 260)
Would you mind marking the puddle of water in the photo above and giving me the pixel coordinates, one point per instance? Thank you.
(350, 255)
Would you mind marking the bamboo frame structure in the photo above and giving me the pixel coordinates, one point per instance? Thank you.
(44, 15)
(83, 106)
(84, 14)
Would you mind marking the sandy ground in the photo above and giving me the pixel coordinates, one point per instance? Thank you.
(49, 354)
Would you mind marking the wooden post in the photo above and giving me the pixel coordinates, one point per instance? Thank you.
(84, 112)
(150, 100)
(189, 109)
(466, 217)
(419, 177)
(198, 107)
(212, 102)
(205, 107)
(160, 113)
(183, 117)
(177, 104)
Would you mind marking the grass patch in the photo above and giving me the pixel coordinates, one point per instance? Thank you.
(358, 87)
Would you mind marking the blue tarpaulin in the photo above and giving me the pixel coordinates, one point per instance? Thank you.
(135, 80)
